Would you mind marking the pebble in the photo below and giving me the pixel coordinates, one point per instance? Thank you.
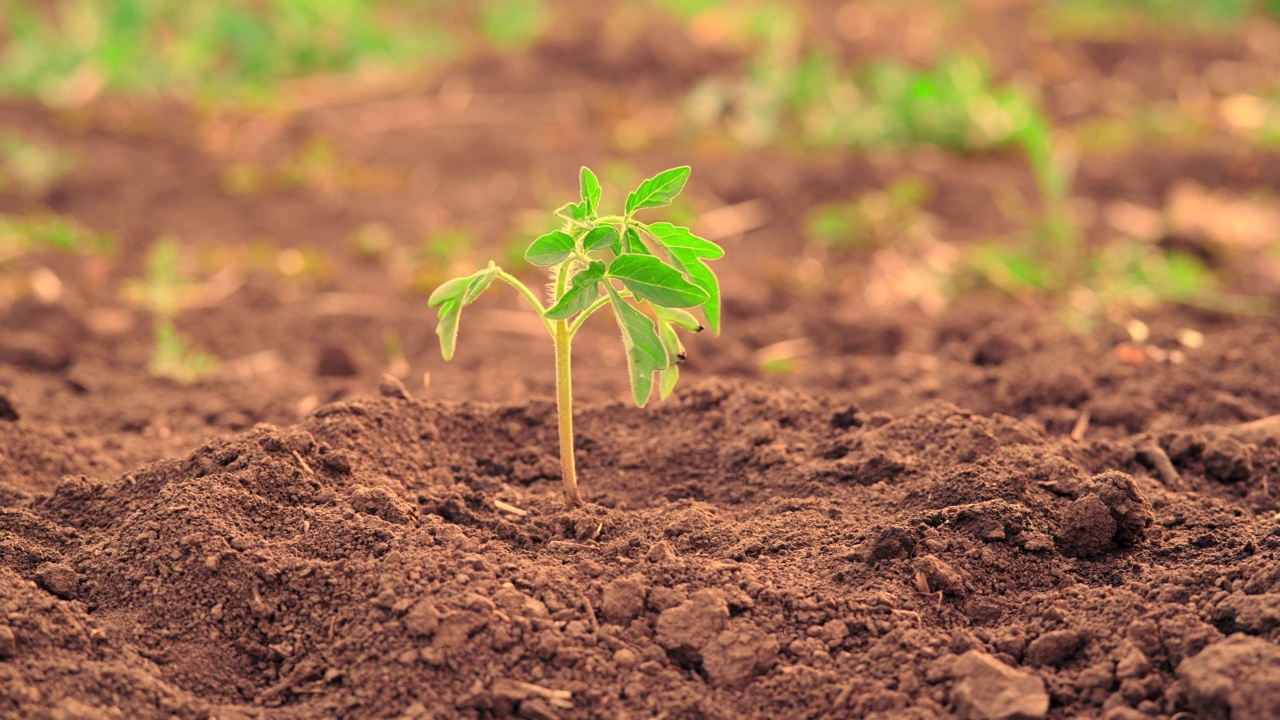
(1054, 647)
(987, 689)
(58, 579)
(8, 643)
(686, 628)
(624, 599)
(1238, 677)
(738, 654)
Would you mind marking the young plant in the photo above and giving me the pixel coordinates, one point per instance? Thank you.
(615, 260)
(164, 292)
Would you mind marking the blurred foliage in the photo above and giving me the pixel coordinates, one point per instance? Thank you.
(29, 167)
(883, 105)
(1115, 18)
(23, 234)
(164, 292)
(438, 257)
(513, 24)
(66, 52)
(316, 166)
(875, 219)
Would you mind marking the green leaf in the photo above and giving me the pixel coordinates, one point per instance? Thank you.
(451, 297)
(645, 353)
(648, 278)
(478, 283)
(658, 190)
(667, 379)
(583, 291)
(683, 318)
(598, 238)
(668, 318)
(674, 237)
(550, 249)
(634, 244)
(447, 328)
(701, 276)
(590, 190)
(449, 290)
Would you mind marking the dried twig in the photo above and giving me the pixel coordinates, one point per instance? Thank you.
(1154, 457)
(1081, 426)
(509, 508)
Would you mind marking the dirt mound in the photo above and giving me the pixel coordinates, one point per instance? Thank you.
(750, 552)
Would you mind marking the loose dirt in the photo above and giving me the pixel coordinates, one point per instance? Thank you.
(964, 510)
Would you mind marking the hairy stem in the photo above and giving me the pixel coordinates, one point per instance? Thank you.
(564, 407)
(563, 340)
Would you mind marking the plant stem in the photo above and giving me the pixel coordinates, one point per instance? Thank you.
(564, 407)
(563, 340)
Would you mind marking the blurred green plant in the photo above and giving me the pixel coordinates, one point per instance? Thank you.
(164, 292)
(316, 166)
(29, 167)
(512, 24)
(439, 256)
(20, 235)
(68, 51)
(1117, 18)
(883, 105)
(872, 220)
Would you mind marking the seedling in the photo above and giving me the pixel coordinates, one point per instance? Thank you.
(615, 260)
(164, 292)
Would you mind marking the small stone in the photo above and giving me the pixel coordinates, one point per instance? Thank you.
(58, 579)
(8, 643)
(1238, 677)
(381, 502)
(1253, 614)
(625, 658)
(834, 632)
(940, 576)
(457, 628)
(392, 387)
(890, 543)
(660, 552)
(624, 599)
(987, 689)
(1131, 511)
(337, 361)
(1227, 460)
(1054, 648)
(423, 619)
(1087, 527)
(515, 602)
(683, 630)
(33, 350)
(1132, 664)
(8, 413)
(738, 654)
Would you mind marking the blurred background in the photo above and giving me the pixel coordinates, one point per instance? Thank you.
(218, 191)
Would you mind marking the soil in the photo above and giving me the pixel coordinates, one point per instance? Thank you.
(937, 510)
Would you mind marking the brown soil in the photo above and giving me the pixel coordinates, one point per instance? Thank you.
(964, 513)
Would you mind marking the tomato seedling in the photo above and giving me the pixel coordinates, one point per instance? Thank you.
(615, 260)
